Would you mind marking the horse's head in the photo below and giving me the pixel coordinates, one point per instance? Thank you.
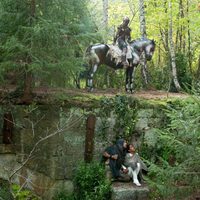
(144, 45)
(149, 49)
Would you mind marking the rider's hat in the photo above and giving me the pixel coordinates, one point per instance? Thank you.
(126, 19)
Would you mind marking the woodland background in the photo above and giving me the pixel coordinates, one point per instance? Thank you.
(43, 42)
(42, 45)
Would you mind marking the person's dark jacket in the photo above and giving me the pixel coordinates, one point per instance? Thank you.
(115, 165)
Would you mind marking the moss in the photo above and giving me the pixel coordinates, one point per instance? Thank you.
(162, 103)
(83, 99)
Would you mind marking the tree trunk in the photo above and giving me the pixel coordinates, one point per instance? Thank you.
(159, 55)
(8, 125)
(181, 28)
(105, 18)
(28, 79)
(166, 29)
(89, 140)
(189, 39)
(27, 94)
(198, 69)
(105, 22)
(142, 19)
(172, 52)
(144, 35)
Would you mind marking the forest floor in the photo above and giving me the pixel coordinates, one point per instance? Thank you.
(48, 95)
(145, 94)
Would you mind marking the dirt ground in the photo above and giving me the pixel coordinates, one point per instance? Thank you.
(146, 94)
(42, 93)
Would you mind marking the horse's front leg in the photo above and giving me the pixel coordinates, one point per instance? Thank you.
(127, 80)
(90, 77)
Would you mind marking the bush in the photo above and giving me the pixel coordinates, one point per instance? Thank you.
(91, 183)
(184, 76)
(62, 195)
(23, 194)
(174, 173)
(4, 190)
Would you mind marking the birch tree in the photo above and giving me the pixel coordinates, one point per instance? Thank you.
(189, 39)
(172, 50)
(105, 23)
(105, 14)
(144, 35)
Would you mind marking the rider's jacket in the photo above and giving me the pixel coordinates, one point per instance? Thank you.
(123, 33)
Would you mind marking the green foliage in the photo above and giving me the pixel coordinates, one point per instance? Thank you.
(4, 191)
(21, 194)
(183, 73)
(124, 109)
(125, 116)
(18, 192)
(39, 34)
(174, 171)
(51, 40)
(91, 183)
(64, 196)
(104, 112)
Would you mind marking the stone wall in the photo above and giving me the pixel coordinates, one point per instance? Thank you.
(52, 164)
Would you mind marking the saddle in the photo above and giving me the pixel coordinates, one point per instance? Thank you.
(116, 53)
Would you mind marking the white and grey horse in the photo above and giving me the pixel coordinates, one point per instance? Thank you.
(98, 54)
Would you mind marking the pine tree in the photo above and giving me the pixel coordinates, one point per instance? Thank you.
(41, 37)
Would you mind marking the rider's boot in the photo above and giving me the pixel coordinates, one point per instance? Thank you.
(125, 62)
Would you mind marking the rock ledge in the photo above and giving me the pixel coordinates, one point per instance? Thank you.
(128, 191)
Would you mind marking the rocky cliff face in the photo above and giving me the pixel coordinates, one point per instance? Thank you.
(49, 141)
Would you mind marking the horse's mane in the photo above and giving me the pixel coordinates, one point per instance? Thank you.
(89, 48)
(139, 39)
(142, 39)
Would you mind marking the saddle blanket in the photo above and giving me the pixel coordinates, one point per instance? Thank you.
(116, 53)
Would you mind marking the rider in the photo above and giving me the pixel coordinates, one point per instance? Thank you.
(123, 36)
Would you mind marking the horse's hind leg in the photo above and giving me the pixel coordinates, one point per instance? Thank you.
(131, 78)
(90, 77)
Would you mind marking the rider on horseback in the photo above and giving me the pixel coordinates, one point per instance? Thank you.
(123, 36)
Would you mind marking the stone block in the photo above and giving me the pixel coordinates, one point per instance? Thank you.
(151, 137)
(145, 113)
(128, 191)
(59, 186)
(7, 148)
(141, 125)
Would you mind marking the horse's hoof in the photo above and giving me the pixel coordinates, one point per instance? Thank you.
(127, 91)
(90, 89)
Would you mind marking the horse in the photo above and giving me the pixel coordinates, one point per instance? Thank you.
(99, 54)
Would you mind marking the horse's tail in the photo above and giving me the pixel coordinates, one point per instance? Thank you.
(88, 50)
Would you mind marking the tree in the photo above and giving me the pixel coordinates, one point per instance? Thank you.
(36, 36)
(172, 52)
(144, 35)
(105, 14)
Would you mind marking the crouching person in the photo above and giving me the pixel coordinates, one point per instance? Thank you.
(134, 164)
(114, 157)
